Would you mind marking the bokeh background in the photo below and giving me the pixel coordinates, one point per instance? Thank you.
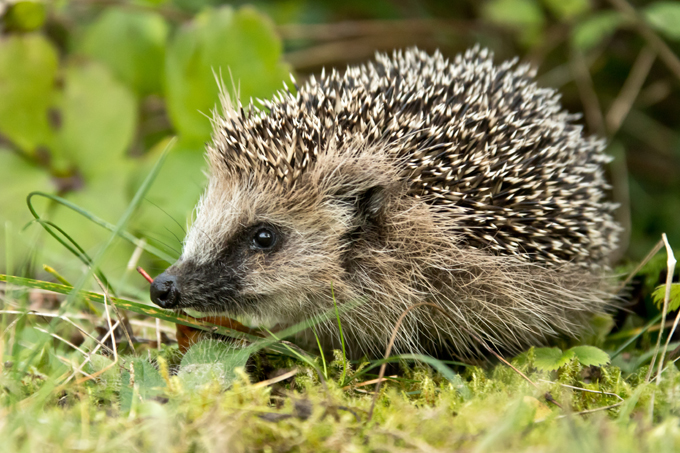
(91, 91)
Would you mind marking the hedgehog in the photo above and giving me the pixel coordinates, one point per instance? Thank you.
(411, 178)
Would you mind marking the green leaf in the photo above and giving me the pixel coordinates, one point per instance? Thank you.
(101, 222)
(103, 195)
(168, 205)
(28, 67)
(25, 16)
(241, 43)
(595, 29)
(98, 120)
(148, 383)
(525, 16)
(131, 44)
(590, 355)
(660, 293)
(211, 360)
(665, 17)
(567, 9)
(18, 177)
(194, 6)
(549, 359)
(514, 13)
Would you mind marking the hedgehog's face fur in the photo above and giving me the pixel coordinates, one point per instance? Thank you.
(260, 248)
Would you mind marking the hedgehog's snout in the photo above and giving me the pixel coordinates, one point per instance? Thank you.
(165, 291)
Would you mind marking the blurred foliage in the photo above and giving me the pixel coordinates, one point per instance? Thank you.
(92, 92)
(90, 97)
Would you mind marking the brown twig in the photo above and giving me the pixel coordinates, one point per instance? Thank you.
(630, 90)
(352, 29)
(362, 384)
(620, 193)
(665, 53)
(276, 379)
(332, 53)
(655, 92)
(339, 43)
(586, 90)
(563, 74)
(144, 274)
(660, 138)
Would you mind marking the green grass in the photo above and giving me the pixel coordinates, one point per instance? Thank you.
(154, 399)
(489, 409)
(65, 385)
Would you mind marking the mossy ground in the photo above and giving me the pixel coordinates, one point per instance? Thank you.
(140, 404)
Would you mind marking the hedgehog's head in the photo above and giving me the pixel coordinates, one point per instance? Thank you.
(271, 247)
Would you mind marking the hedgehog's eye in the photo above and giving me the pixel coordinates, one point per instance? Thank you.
(264, 238)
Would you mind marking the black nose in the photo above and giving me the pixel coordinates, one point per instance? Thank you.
(164, 291)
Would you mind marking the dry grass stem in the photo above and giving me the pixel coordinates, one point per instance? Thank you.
(586, 90)
(640, 265)
(62, 317)
(587, 411)
(63, 340)
(671, 262)
(372, 381)
(113, 338)
(158, 333)
(664, 310)
(630, 90)
(581, 389)
(121, 317)
(665, 53)
(68, 362)
(276, 379)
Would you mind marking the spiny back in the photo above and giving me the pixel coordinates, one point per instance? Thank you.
(481, 142)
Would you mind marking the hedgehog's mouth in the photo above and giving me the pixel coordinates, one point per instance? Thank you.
(249, 319)
(248, 310)
(187, 286)
(225, 305)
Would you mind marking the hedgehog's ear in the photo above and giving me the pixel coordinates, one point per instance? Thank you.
(371, 202)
